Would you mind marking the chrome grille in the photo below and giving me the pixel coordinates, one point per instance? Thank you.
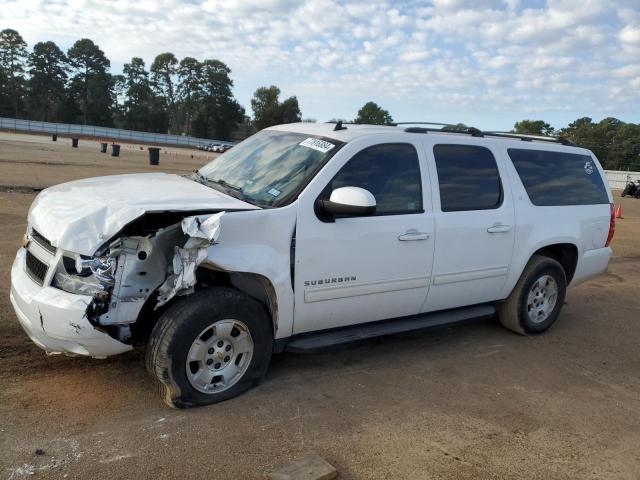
(36, 269)
(43, 242)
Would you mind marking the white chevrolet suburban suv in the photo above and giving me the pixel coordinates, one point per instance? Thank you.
(309, 235)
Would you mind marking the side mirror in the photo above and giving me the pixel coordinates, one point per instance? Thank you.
(350, 201)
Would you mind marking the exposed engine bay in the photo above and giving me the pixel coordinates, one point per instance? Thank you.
(135, 270)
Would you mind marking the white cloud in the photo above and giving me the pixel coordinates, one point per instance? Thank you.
(630, 36)
(475, 56)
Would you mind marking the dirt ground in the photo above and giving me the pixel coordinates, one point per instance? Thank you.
(472, 401)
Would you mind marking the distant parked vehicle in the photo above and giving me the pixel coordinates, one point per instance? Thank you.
(632, 189)
(214, 147)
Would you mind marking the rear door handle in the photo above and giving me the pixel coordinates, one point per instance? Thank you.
(499, 228)
(411, 235)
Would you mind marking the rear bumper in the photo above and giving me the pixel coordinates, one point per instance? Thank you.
(55, 320)
(591, 264)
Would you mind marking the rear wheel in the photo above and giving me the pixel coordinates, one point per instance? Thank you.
(210, 346)
(537, 298)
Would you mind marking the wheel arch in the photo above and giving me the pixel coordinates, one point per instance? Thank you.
(254, 285)
(566, 254)
(564, 250)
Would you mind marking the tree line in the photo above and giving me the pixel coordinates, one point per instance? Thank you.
(615, 143)
(192, 97)
(185, 96)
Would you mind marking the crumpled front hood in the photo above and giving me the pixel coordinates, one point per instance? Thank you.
(80, 216)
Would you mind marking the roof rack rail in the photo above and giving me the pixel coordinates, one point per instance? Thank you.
(339, 126)
(395, 124)
(465, 130)
(531, 138)
(445, 127)
(474, 132)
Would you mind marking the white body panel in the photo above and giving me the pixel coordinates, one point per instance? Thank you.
(585, 226)
(473, 249)
(372, 274)
(259, 242)
(454, 262)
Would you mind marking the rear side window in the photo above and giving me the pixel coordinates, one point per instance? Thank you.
(390, 172)
(468, 178)
(558, 178)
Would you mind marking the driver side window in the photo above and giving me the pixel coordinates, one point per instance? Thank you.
(390, 172)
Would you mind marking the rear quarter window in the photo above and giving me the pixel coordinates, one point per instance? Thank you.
(559, 178)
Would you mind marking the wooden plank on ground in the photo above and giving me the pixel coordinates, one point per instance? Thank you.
(309, 467)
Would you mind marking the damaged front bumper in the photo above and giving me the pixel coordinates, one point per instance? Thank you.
(56, 320)
(88, 308)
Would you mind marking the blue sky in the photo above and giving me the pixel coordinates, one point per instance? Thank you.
(486, 63)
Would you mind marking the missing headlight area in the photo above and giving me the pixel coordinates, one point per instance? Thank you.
(136, 270)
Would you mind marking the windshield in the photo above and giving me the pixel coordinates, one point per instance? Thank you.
(270, 168)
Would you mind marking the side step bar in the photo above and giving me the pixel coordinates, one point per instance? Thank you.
(306, 342)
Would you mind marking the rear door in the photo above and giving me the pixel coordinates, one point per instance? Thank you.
(475, 225)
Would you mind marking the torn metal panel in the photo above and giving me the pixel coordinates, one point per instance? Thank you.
(183, 276)
(202, 232)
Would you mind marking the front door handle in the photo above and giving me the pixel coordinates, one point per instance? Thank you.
(499, 228)
(413, 234)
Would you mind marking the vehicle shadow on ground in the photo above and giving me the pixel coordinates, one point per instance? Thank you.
(396, 348)
(116, 382)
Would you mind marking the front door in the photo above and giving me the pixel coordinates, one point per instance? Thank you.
(363, 269)
(475, 225)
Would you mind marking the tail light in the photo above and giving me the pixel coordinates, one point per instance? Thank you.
(612, 225)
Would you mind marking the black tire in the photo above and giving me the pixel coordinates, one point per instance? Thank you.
(513, 313)
(178, 327)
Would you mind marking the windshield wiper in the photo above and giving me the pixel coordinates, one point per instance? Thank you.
(199, 177)
(226, 184)
(231, 190)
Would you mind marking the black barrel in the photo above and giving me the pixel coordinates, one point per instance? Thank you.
(103, 148)
(54, 137)
(154, 156)
(115, 150)
(74, 142)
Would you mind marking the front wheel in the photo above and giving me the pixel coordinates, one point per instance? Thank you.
(210, 346)
(536, 300)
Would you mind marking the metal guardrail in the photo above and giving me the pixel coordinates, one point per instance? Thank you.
(618, 179)
(103, 133)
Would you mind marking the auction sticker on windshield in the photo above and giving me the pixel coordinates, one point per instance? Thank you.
(316, 144)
